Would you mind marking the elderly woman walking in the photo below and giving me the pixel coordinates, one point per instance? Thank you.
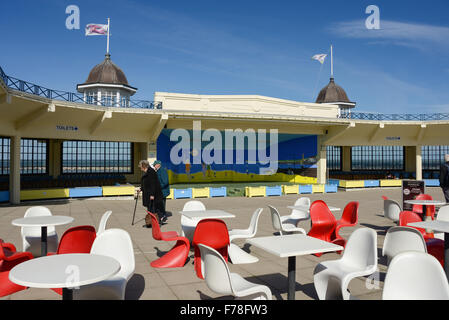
(151, 190)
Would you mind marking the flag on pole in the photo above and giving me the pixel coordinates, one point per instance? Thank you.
(93, 29)
(320, 57)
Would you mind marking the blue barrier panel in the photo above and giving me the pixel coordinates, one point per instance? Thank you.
(330, 188)
(273, 191)
(86, 192)
(431, 182)
(333, 182)
(305, 189)
(182, 193)
(217, 192)
(371, 183)
(4, 196)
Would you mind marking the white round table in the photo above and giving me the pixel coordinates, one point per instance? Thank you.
(66, 271)
(43, 222)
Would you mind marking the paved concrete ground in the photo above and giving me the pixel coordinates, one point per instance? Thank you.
(182, 283)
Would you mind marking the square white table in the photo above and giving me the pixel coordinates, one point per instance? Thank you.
(291, 246)
(43, 222)
(439, 226)
(207, 214)
(66, 271)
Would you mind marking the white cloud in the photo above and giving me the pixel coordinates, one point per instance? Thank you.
(420, 36)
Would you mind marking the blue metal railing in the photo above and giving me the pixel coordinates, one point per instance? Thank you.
(28, 87)
(396, 117)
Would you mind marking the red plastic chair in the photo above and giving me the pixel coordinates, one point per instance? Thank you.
(435, 247)
(417, 208)
(349, 218)
(9, 258)
(77, 239)
(177, 256)
(324, 224)
(213, 233)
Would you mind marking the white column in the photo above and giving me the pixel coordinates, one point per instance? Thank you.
(14, 171)
(418, 163)
(322, 162)
(118, 103)
(152, 151)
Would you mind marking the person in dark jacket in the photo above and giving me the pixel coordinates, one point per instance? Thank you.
(151, 189)
(444, 179)
(163, 180)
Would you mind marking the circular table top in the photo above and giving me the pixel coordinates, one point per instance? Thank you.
(42, 221)
(426, 202)
(64, 270)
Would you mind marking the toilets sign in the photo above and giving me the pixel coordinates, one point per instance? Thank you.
(220, 150)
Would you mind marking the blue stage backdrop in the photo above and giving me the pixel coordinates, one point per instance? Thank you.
(294, 151)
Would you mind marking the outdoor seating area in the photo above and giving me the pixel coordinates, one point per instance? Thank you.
(340, 246)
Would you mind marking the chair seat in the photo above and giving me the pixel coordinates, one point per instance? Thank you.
(239, 256)
(169, 235)
(244, 288)
(8, 287)
(339, 269)
(288, 227)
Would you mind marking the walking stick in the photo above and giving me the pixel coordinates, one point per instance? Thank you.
(135, 206)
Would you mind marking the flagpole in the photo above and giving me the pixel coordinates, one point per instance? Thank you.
(332, 61)
(107, 47)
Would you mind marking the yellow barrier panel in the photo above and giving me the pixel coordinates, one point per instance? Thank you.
(352, 184)
(44, 194)
(391, 183)
(318, 188)
(290, 189)
(305, 180)
(171, 195)
(126, 190)
(255, 192)
(200, 192)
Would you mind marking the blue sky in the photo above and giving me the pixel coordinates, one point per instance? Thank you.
(241, 47)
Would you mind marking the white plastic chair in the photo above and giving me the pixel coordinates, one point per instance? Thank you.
(115, 243)
(103, 221)
(402, 239)
(443, 215)
(236, 254)
(220, 280)
(415, 276)
(392, 210)
(188, 225)
(31, 236)
(331, 278)
(298, 215)
(283, 227)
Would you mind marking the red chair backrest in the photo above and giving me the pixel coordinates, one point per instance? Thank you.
(77, 240)
(323, 221)
(155, 228)
(406, 217)
(211, 232)
(418, 208)
(384, 197)
(350, 213)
